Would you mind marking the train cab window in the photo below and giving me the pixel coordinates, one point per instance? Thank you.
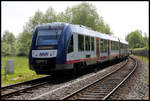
(92, 43)
(80, 42)
(87, 43)
(70, 47)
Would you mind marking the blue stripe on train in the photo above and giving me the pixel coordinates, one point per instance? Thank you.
(62, 45)
(32, 46)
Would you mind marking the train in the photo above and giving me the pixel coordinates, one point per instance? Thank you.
(60, 47)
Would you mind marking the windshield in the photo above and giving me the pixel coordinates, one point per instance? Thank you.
(48, 37)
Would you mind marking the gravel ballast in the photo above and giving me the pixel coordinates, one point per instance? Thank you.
(136, 87)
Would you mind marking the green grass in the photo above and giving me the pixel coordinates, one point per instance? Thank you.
(21, 71)
(144, 59)
(138, 49)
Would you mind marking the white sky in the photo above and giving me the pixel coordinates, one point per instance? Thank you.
(122, 17)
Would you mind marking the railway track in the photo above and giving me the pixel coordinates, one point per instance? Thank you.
(26, 87)
(20, 87)
(103, 88)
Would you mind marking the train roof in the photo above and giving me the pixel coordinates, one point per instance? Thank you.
(86, 31)
(52, 25)
(80, 29)
(124, 42)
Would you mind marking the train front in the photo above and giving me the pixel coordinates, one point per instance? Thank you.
(44, 47)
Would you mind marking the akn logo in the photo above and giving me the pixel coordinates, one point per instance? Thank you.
(44, 54)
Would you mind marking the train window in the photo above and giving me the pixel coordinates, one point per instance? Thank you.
(48, 37)
(92, 43)
(101, 46)
(87, 43)
(105, 46)
(70, 47)
(80, 42)
(115, 45)
(112, 45)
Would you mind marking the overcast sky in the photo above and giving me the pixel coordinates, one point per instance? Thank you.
(122, 17)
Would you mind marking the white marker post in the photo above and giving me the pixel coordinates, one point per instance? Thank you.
(9, 67)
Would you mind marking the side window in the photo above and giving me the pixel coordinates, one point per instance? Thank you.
(87, 43)
(101, 46)
(92, 43)
(117, 45)
(105, 45)
(70, 47)
(80, 42)
(112, 45)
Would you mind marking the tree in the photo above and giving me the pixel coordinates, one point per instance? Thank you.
(33, 21)
(8, 37)
(146, 41)
(49, 16)
(135, 39)
(86, 14)
(23, 43)
(8, 44)
(65, 16)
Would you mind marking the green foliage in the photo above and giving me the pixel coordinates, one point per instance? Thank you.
(23, 43)
(140, 52)
(135, 39)
(8, 37)
(50, 16)
(146, 41)
(65, 16)
(8, 44)
(21, 71)
(33, 21)
(86, 14)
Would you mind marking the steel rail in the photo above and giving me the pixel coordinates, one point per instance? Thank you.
(29, 81)
(108, 95)
(77, 91)
(4, 89)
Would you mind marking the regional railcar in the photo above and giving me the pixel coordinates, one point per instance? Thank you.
(61, 46)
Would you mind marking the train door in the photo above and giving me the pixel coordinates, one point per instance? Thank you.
(97, 47)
